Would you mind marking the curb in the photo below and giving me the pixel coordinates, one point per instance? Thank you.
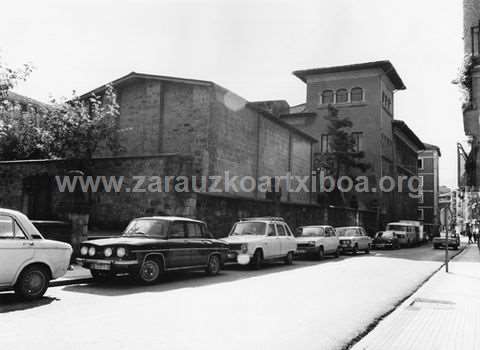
(375, 322)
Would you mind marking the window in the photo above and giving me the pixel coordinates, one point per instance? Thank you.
(281, 230)
(327, 97)
(420, 163)
(193, 230)
(9, 229)
(357, 141)
(420, 214)
(325, 141)
(289, 232)
(356, 94)
(271, 230)
(330, 232)
(177, 230)
(342, 96)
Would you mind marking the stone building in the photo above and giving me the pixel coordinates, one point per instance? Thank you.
(170, 127)
(428, 203)
(470, 83)
(365, 94)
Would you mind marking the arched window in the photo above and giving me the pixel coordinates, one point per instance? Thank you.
(327, 97)
(342, 96)
(356, 95)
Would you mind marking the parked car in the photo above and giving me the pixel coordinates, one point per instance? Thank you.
(408, 234)
(150, 246)
(386, 239)
(353, 239)
(441, 241)
(317, 241)
(28, 261)
(254, 240)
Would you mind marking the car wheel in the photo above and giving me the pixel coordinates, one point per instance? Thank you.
(32, 283)
(214, 265)
(289, 259)
(150, 271)
(355, 249)
(435, 246)
(455, 247)
(257, 260)
(101, 276)
(321, 253)
(367, 251)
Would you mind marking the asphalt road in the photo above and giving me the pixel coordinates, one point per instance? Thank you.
(332, 286)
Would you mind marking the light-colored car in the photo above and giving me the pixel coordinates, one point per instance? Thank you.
(317, 240)
(408, 233)
(28, 261)
(353, 239)
(254, 240)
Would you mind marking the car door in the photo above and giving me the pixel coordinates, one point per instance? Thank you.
(178, 253)
(331, 241)
(292, 242)
(272, 242)
(201, 246)
(16, 249)
(283, 238)
(364, 238)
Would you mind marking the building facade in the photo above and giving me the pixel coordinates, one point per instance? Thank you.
(470, 85)
(428, 203)
(364, 93)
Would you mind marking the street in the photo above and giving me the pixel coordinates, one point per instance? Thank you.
(310, 305)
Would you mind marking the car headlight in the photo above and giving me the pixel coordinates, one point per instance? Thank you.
(108, 252)
(244, 248)
(91, 251)
(121, 252)
(84, 250)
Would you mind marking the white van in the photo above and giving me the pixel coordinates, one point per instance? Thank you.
(408, 234)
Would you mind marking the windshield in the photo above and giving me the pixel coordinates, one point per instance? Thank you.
(387, 234)
(346, 231)
(401, 228)
(147, 227)
(248, 228)
(311, 231)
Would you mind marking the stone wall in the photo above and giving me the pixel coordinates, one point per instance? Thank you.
(108, 209)
(221, 213)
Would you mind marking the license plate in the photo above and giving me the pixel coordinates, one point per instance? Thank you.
(105, 267)
(301, 251)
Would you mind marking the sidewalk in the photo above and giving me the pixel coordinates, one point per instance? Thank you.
(443, 314)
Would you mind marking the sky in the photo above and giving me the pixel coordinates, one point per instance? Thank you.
(250, 47)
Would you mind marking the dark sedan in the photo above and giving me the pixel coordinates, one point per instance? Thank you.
(152, 245)
(386, 239)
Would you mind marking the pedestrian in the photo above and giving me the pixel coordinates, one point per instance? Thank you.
(469, 234)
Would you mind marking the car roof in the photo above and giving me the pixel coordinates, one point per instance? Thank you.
(401, 223)
(349, 227)
(10, 211)
(315, 226)
(170, 218)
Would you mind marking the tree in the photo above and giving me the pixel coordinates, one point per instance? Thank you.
(72, 129)
(344, 155)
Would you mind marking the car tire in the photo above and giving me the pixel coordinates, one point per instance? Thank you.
(355, 249)
(455, 247)
(101, 276)
(150, 271)
(32, 282)
(257, 260)
(289, 259)
(320, 253)
(435, 246)
(214, 265)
